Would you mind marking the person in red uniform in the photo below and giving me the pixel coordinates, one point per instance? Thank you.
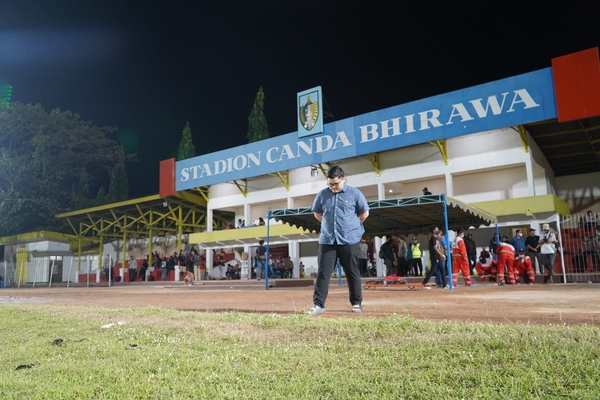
(506, 259)
(486, 266)
(460, 261)
(524, 268)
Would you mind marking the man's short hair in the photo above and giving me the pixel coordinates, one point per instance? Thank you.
(261, 242)
(335, 172)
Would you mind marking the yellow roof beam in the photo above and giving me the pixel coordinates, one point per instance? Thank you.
(523, 135)
(285, 178)
(243, 190)
(374, 160)
(441, 145)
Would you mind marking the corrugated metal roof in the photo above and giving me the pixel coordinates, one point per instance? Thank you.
(408, 215)
(571, 147)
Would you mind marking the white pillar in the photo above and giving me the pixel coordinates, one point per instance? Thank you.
(377, 243)
(380, 191)
(449, 184)
(562, 258)
(294, 253)
(209, 262)
(247, 216)
(209, 219)
(530, 175)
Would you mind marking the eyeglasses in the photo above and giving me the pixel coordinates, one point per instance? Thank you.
(334, 184)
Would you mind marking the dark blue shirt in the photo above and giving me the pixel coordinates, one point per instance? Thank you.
(518, 243)
(340, 211)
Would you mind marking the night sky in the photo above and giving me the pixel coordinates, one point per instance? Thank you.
(148, 67)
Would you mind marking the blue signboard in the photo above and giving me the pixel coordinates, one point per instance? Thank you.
(508, 102)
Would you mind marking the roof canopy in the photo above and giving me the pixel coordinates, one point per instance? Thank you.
(184, 213)
(409, 215)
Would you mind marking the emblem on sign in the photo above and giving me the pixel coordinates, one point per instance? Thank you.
(309, 112)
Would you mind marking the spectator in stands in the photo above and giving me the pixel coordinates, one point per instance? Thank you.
(261, 259)
(588, 220)
(415, 257)
(402, 257)
(132, 265)
(287, 269)
(518, 241)
(471, 251)
(532, 245)
(426, 191)
(261, 221)
(221, 265)
(363, 256)
(144, 269)
(167, 266)
(548, 243)
(389, 258)
(588, 248)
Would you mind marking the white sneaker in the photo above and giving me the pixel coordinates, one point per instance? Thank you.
(357, 308)
(315, 310)
(427, 287)
(447, 287)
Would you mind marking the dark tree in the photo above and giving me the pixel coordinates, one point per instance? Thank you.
(257, 122)
(186, 146)
(50, 162)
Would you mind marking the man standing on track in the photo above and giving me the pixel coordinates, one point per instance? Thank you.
(341, 209)
(460, 261)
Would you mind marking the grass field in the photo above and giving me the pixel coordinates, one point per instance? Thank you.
(152, 353)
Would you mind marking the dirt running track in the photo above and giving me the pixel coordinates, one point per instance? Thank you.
(572, 304)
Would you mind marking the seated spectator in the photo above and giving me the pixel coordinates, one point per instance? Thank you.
(261, 221)
(287, 268)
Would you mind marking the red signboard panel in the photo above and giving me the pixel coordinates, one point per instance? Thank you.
(577, 85)
(167, 178)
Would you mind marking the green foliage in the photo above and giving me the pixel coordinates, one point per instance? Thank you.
(186, 146)
(119, 184)
(164, 353)
(257, 122)
(50, 163)
(5, 93)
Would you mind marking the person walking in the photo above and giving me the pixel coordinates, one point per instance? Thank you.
(471, 251)
(341, 209)
(436, 256)
(261, 259)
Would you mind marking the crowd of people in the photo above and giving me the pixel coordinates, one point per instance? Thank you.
(508, 261)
